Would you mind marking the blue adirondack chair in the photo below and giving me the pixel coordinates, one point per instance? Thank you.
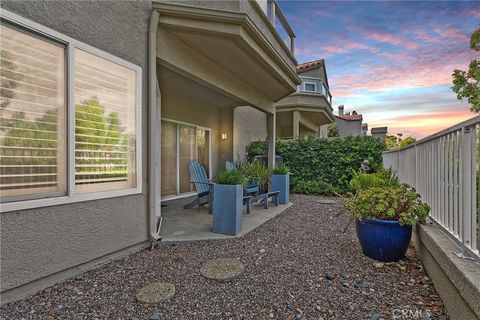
(203, 186)
(229, 166)
(252, 188)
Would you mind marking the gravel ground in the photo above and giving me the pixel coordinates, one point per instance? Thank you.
(299, 265)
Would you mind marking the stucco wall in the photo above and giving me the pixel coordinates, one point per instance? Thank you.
(348, 128)
(42, 242)
(249, 125)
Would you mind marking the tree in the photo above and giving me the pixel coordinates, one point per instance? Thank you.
(332, 130)
(466, 84)
(396, 142)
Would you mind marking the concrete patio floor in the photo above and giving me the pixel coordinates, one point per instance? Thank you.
(181, 224)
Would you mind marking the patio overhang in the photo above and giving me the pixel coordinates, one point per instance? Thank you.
(226, 50)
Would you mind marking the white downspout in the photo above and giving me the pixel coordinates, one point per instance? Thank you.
(154, 136)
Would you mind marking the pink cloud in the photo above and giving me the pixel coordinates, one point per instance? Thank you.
(383, 37)
(452, 33)
(425, 124)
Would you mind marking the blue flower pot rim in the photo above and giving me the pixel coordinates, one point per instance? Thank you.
(382, 222)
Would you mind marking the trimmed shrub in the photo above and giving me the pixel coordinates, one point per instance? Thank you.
(324, 163)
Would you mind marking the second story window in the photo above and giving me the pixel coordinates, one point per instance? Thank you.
(310, 87)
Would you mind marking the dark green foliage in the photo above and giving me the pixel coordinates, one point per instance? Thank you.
(283, 169)
(231, 177)
(329, 162)
(318, 164)
(389, 203)
(257, 148)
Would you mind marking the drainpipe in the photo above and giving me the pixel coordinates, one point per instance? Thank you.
(154, 138)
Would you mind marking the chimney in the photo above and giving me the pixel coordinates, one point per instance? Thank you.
(340, 110)
(379, 132)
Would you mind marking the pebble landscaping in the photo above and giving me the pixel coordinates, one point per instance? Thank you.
(299, 265)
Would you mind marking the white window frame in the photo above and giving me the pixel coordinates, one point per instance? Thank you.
(314, 86)
(70, 45)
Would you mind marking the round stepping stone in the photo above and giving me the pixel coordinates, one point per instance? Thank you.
(224, 269)
(326, 201)
(156, 292)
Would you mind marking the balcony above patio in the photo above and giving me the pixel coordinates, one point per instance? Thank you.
(231, 46)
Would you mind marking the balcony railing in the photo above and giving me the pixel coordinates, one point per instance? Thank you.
(316, 86)
(444, 168)
(275, 15)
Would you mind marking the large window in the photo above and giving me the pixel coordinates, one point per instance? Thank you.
(104, 124)
(69, 119)
(32, 116)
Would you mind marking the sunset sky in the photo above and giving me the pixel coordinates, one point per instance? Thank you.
(391, 61)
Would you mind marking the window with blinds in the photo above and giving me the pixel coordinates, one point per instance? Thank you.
(105, 101)
(32, 116)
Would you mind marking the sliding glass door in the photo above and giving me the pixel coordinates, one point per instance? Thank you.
(182, 143)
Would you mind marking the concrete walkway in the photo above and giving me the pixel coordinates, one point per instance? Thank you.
(181, 224)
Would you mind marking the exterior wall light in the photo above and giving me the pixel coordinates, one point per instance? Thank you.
(224, 136)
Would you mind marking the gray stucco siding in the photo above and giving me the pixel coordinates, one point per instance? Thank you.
(40, 242)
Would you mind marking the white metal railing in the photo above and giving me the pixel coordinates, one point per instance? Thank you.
(444, 169)
(315, 85)
(274, 13)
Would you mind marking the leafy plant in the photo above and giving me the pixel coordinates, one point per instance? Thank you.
(402, 204)
(381, 178)
(362, 181)
(231, 177)
(281, 170)
(258, 170)
(332, 130)
(466, 84)
(389, 176)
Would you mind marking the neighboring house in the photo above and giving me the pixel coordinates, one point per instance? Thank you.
(347, 124)
(104, 104)
(303, 112)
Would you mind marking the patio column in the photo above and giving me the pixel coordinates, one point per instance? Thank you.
(296, 124)
(271, 139)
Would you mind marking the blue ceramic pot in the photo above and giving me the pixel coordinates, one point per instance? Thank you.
(383, 240)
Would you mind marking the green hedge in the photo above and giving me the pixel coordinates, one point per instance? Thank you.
(324, 166)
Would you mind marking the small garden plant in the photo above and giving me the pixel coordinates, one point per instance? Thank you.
(231, 177)
(402, 204)
(258, 170)
(381, 178)
(281, 170)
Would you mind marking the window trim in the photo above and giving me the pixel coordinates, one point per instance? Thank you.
(70, 46)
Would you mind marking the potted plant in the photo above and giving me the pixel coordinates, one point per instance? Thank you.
(258, 171)
(384, 220)
(228, 202)
(281, 182)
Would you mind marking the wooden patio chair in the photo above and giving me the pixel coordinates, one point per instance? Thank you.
(203, 186)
